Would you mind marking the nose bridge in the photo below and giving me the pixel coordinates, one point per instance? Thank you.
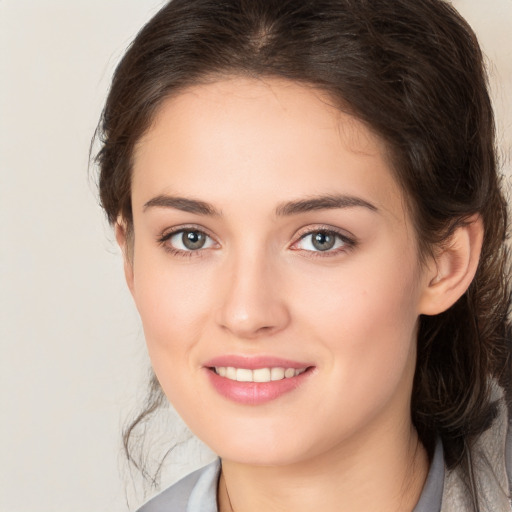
(252, 303)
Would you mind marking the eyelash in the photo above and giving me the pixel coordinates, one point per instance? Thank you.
(165, 237)
(348, 243)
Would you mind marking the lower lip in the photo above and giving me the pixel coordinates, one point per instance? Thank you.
(255, 393)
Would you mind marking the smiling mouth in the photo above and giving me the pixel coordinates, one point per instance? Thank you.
(257, 375)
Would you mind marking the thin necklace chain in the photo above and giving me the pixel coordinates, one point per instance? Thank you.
(231, 509)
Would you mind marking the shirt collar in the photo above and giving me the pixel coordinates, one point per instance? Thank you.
(432, 494)
(204, 495)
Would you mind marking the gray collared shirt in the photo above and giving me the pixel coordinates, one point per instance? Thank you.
(197, 492)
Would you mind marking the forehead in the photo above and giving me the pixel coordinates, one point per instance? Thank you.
(272, 137)
(238, 101)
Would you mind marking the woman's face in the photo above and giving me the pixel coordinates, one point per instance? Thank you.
(275, 270)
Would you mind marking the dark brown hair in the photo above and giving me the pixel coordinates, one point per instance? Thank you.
(412, 70)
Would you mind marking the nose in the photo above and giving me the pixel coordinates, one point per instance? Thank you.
(253, 303)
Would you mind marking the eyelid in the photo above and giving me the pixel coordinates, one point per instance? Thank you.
(315, 228)
(167, 234)
(348, 239)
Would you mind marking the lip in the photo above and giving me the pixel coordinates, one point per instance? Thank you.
(255, 393)
(255, 362)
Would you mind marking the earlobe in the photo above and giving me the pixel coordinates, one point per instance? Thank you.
(453, 268)
(122, 237)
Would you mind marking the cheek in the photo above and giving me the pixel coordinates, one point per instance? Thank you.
(367, 294)
(365, 317)
(173, 309)
(173, 302)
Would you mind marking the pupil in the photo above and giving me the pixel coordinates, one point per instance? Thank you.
(323, 241)
(193, 239)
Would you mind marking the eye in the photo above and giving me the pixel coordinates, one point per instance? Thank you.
(323, 241)
(187, 240)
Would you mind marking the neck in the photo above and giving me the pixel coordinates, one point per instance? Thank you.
(386, 473)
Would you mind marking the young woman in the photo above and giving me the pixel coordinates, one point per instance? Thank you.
(307, 199)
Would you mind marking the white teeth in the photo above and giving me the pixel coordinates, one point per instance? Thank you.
(258, 375)
(243, 375)
(261, 375)
(277, 373)
(289, 372)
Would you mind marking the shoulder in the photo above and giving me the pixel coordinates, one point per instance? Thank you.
(196, 491)
(492, 463)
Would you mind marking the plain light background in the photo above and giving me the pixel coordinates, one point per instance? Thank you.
(73, 361)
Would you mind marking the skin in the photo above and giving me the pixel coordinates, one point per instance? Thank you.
(343, 440)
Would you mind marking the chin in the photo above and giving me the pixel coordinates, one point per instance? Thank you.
(281, 451)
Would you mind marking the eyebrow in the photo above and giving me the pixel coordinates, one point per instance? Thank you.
(328, 202)
(183, 204)
(325, 202)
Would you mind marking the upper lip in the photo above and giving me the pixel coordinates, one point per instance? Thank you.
(254, 362)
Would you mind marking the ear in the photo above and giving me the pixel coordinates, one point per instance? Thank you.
(125, 242)
(453, 268)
